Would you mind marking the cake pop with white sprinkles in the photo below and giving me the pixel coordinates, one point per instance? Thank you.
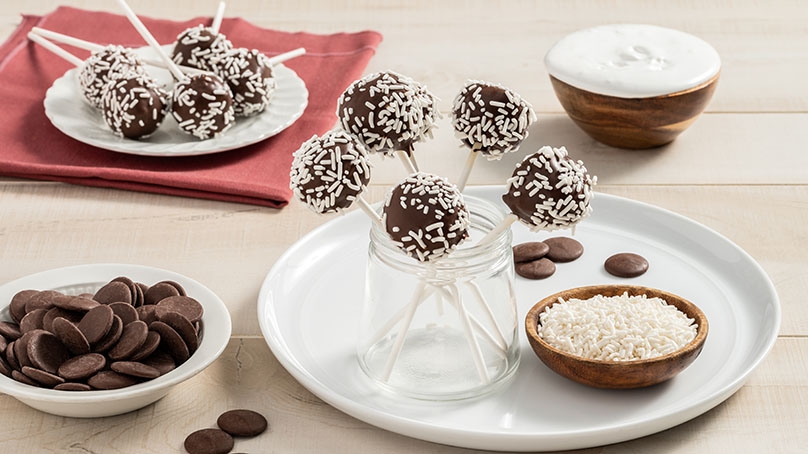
(200, 47)
(425, 216)
(134, 105)
(203, 106)
(248, 73)
(388, 112)
(490, 118)
(330, 172)
(104, 65)
(550, 191)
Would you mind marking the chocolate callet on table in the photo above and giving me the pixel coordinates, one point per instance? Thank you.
(203, 106)
(103, 66)
(134, 105)
(550, 191)
(248, 73)
(425, 216)
(329, 172)
(490, 118)
(200, 47)
(387, 112)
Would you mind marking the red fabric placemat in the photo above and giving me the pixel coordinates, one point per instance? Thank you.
(30, 147)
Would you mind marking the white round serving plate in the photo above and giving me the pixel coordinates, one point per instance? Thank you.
(215, 334)
(67, 110)
(309, 309)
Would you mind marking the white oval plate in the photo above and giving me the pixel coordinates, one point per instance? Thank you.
(309, 308)
(67, 110)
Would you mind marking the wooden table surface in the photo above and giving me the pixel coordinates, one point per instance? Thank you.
(741, 169)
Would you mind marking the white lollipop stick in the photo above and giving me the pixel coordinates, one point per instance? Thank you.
(489, 314)
(503, 225)
(217, 19)
(55, 49)
(144, 32)
(365, 206)
(391, 322)
(474, 346)
(417, 297)
(280, 58)
(69, 40)
(470, 160)
(498, 347)
(408, 163)
(95, 47)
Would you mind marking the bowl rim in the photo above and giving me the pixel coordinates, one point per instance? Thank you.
(712, 80)
(215, 326)
(693, 311)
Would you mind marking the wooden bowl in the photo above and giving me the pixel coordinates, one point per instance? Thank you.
(635, 123)
(616, 374)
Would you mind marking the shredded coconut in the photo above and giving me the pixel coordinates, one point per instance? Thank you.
(616, 328)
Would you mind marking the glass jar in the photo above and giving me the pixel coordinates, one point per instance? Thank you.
(445, 329)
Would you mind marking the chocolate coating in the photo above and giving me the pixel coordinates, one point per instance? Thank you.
(387, 112)
(425, 215)
(550, 191)
(329, 172)
(134, 106)
(491, 118)
(103, 66)
(249, 76)
(203, 106)
(200, 47)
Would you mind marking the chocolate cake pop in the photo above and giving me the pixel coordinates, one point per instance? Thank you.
(203, 106)
(425, 215)
(387, 112)
(249, 76)
(550, 191)
(200, 47)
(134, 105)
(330, 172)
(490, 118)
(101, 67)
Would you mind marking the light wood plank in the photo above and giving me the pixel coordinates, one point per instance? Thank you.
(248, 376)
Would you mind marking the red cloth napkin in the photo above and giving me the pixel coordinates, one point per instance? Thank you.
(30, 147)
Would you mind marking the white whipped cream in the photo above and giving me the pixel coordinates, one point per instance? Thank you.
(632, 61)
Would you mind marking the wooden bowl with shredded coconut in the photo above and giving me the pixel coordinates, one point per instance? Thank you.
(616, 336)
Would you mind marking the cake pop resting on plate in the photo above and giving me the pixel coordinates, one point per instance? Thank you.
(550, 191)
(490, 118)
(425, 215)
(248, 73)
(330, 172)
(134, 105)
(104, 65)
(387, 112)
(200, 47)
(203, 106)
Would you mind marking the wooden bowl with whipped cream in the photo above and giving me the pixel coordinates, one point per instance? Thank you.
(633, 86)
(618, 370)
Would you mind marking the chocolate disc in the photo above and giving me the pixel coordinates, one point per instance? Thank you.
(125, 311)
(209, 441)
(530, 251)
(5, 367)
(183, 327)
(185, 305)
(158, 291)
(45, 379)
(71, 386)
(57, 312)
(33, 320)
(112, 292)
(96, 322)
(132, 338)
(76, 303)
(109, 379)
(148, 347)
(147, 313)
(242, 423)
(16, 307)
(135, 369)
(537, 269)
(81, 367)
(21, 350)
(626, 264)
(112, 336)
(11, 357)
(22, 378)
(10, 330)
(563, 249)
(71, 336)
(3, 345)
(171, 341)
(46, 351)
(42, 300)
(162, 361)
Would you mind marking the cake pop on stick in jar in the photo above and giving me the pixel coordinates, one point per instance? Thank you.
(547, 191)
(202, 103)
(491, 120)
(329, 173)
(389, 113)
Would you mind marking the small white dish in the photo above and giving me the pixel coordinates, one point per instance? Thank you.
(66, 109)
(215, 334)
